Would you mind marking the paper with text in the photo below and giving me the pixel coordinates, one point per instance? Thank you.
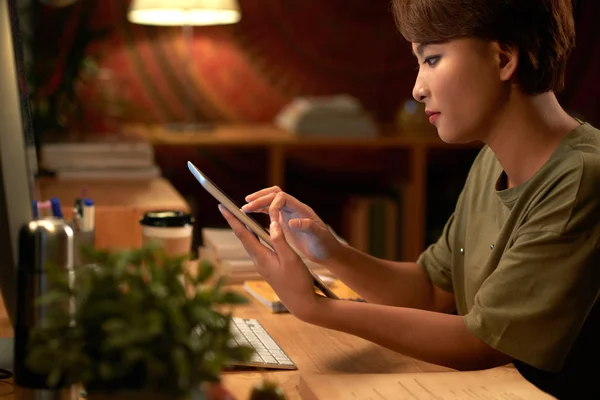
(504, 383)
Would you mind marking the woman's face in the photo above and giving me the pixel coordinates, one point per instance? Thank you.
(461, 85)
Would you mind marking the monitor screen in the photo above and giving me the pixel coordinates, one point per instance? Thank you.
(18, 165)
(20, 70)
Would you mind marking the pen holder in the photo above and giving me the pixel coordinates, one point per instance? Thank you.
(80, 239)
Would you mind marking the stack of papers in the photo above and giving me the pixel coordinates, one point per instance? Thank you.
(100, 159)
(226, 252)
(339, 116)
(501, 383)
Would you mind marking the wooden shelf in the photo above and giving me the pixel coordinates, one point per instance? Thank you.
(279, 143)
(269, 135)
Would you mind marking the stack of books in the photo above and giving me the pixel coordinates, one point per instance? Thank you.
(98, 158)
(265, 295)
(225, 251)
(372, 224)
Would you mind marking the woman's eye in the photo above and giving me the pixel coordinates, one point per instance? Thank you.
(431, 61)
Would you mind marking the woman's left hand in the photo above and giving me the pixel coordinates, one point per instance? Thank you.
(283, 269)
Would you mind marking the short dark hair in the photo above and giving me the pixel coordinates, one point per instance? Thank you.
(542, 30)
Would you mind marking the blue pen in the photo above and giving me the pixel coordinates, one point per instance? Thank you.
(35, 209)
(56, 210)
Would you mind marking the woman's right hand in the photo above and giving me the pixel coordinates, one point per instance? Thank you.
(301, 226)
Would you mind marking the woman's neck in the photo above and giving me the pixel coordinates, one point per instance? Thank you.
(526, 132)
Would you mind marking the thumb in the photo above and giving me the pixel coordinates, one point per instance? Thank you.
(281, 246)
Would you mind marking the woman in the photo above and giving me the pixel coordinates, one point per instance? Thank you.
(514, 276)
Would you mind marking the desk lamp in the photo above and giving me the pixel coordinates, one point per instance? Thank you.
(185, 13)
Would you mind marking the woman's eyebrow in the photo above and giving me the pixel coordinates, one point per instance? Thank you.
(420, 49)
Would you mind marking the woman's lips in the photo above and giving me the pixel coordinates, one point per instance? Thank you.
(433, 116)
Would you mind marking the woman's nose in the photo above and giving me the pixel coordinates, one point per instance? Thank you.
(420, 91)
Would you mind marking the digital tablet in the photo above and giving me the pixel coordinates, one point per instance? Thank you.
(247, 220)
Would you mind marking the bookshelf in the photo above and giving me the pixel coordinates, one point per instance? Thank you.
(407, 155)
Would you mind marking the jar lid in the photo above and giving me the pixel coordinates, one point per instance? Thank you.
(167, 218)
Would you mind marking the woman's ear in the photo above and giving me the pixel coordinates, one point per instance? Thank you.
(508, 60)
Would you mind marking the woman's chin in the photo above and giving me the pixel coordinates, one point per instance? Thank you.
(454, 137)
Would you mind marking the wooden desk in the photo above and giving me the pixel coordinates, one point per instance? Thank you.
(314, 350)
(119, 205)
(318, 352)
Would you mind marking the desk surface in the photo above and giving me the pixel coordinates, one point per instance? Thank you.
(314, 350)
(317, 350)
(353, 364)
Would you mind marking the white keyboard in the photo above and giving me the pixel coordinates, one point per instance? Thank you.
(267, 354)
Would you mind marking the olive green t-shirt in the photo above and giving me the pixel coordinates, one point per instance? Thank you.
(523, 262)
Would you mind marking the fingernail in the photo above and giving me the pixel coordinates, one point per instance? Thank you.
(220, 206)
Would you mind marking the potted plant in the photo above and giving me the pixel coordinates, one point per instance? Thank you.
(134, 331)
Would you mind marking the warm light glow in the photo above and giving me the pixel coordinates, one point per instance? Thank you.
(184, 12)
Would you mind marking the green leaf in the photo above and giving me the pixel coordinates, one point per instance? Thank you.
(155, 323)
(208, 316)
(230, 297)
(134, 354)
(54, 377)
(205, 271)
(53, 297)
(114, 325)
(158, 289)
(105, 371)
(182, 367)
(241, 353)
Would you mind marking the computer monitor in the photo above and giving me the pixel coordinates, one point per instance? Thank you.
(18, 167)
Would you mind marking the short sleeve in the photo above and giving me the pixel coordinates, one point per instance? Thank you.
(436, 260)
(532, 307)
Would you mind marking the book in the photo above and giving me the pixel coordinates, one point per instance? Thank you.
(223, 243)
(97, 154)
(372, 225)
(239, 270)
(142, 173)
(264, 293)
(221, 247)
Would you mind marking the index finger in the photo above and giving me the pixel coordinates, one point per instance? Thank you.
(262, 192)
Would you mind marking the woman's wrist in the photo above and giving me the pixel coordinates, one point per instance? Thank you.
(313, 310)
(338, 255)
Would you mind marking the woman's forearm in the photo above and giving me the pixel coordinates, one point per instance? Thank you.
(433, 337)
(380, 281)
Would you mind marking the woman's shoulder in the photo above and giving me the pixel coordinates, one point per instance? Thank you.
(585, 138)
(580, 154)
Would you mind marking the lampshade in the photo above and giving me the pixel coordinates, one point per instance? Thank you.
(184, 12)
(58, 3)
